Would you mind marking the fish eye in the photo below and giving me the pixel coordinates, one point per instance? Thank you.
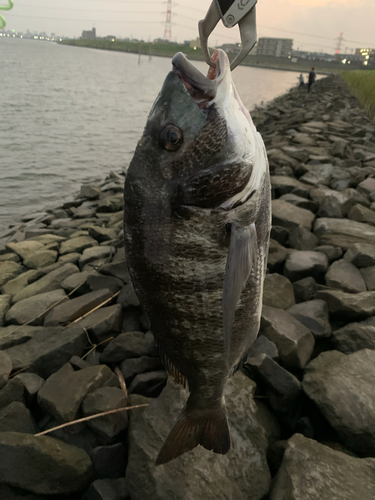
(170, 137)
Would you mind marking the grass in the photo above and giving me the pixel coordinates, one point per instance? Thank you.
(362, 85)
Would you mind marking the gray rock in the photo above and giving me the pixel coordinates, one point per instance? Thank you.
(109, 461)
(77, 245)
(102, 233)
(338, 148)
(103, 323)
(343, 275)
(330, 208)
(367, 186)
(148, 384)
(32, 384)
(63, 392)
(14, 390)
(343, 232)
(293, 340)
(5, 368)
(77, 280)
(72, 257)
(302, 239)
(333, 253)
(348, 305)
(42, 258)
(9, 270)
(19, 283)
(264, 346)
(9, 493)
(362, 214)
(17, 418)
(48, 283)
(117, 269)
(305, 289)
(4, 307)
(179, 480)
(95, 253)
(314, 315)
(75, 308)
(48, 350)
(313, 471)
(301, 202)
(14, 335)
(354, 337)
(105, 399)
(368, 274)
(282, 185)
(128, 345)
(31, 310)
(342, 386)
(355, 197)
(304, 263)
(319, 174)
(278, 291)
(361, 255)
(25, 249)
(107, 489)
(44, 465)
(90, 191)
(98, 282)
(289, 216)
(279, 234)
(134, 366)
(277, 254)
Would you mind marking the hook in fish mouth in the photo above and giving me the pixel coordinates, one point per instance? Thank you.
(201, 88)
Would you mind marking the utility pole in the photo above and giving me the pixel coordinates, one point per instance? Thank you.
(168, 22)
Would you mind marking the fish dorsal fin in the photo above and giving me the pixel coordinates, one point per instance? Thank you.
(242, 254)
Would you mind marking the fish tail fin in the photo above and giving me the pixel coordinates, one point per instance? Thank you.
(209, 428)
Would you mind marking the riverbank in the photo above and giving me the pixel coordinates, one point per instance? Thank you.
(362, 85)
(73, 336)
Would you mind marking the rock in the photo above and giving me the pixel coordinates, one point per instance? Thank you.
(305, 289)
(5, 368)
(305, 263)
(293, 340)
(347, 305)
(301, 202)
(277, 254)
(367, 186)
(362, 214)
(338, 148)
(75, 308)
(279, 234)
(78, 244)
(264, 346)
(32, 384)
(302, 239)
(107, 489)
(90, 191)
(9, 270)
(109, 461)
(118, 269)
(63, 392)
(9, 493)
(4, 307)
(342, 386)
(48, 283)
(282, 185)
(14, 390)
(148, 384)
(17, 284)
(278, 291)
(48, 350)
(98, 282)
(31, 310)
(134, 366)
(95, 253)
(25, 249)
(313, 471)
(343, 232)
(42, 258)
(330, 208)
(102, 233)
(343, 275)
(314, 315)
(368, 275)
(320, 174)
(17, 418)
(178, 479)
(282, 389)
(75, 280)
(128, 345)
(105, 399)
(354, 337)
(103, 323)
(289, 216)
(333, 253)
(44, 465)
(361, 255)
(72, 257)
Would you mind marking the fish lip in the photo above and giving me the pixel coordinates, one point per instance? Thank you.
(201, 89)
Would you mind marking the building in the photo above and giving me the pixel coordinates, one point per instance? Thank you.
(89, 35)
(277, 47)
(365, 55)
(231, 48)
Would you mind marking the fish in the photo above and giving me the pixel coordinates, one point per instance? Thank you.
(197, 221)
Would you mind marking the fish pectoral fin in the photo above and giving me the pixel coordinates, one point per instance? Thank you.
(242, 253)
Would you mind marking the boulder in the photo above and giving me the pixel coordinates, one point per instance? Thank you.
(277, 254)
(343, 232)
(103, 323)
(264, 346)
(293, 340)
(367, 186)
(368, 275)
(282, 184)
(107, 489)
(128, 345)
(305, 289)
(319, 174)
(77, 280)
(278, 291)
(102, 233)
(302, 239)
(314, 315)
(109, 461)
(5, 368)
(301, 202)
(9, 270)
(77, 245)
(42, 258)
(31, 310)
(98, 282)
(304, 263)
(25, 249)
(362, 214)
(17, 418)
(32, 384)
(342, 386)
(199, 473)
(354, 337)
(343, 275)
(90, 191)
(4, 307)
(148, 384)
(95, 253)
(289, 216)
(134, 366)
(333, 253)
(313, 471)
(17, 284)
(330, 208)
(44, 465)
(361, 254)
(14, 335)
(348, 306)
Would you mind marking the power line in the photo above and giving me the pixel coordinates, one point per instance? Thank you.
(87, 19)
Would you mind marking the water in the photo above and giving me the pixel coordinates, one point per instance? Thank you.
(70, 115)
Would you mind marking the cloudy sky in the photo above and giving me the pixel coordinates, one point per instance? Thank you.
(313, 24)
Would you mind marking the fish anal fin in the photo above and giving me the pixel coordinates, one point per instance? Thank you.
(207, 428)
(172, 370)
(242, 254)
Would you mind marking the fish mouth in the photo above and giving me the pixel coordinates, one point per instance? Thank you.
(202, 89)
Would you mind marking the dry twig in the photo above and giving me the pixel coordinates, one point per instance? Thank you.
(93, 310)
(121, 379)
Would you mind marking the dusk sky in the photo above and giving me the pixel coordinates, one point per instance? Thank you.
(313, 24)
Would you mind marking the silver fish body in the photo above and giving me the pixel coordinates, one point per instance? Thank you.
(196, 224)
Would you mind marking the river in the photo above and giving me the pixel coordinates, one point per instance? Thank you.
(70, 115)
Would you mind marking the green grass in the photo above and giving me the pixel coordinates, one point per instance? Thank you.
(362, 85)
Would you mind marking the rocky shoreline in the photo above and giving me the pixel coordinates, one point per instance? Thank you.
(74, 341)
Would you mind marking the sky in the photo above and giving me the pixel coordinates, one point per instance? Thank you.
(314, 25)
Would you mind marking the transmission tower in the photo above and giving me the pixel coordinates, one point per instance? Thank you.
(168, 22)
(339, 42)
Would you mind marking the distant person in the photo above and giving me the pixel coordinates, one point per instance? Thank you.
(301, 80)
(312, 77)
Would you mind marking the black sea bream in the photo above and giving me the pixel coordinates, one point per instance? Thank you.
(197, 224)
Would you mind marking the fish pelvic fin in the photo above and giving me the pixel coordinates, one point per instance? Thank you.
(209, 428)
(172, 370)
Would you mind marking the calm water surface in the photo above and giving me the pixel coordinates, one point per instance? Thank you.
(70, 115)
